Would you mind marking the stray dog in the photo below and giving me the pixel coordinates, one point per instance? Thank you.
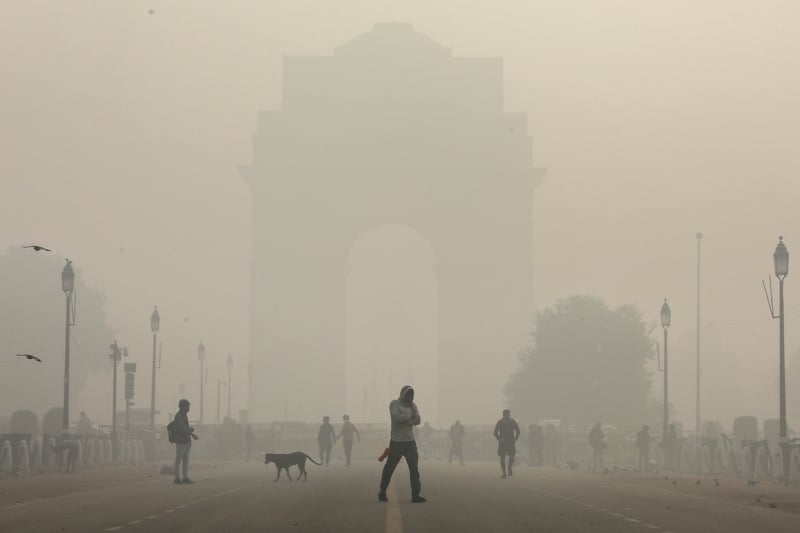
(285, 460)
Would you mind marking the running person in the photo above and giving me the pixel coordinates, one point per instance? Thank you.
(506, 431)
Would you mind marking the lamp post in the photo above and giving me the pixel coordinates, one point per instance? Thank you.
(230, 368)
(201, 356)
(68, 286)
(155, 324)
(116, 356)
(781, 259)
(697, 400)
(666, 318)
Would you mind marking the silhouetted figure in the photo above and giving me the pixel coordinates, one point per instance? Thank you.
(67, 449)
(456, 443)
(405, 416)
(597, 440)
(348, 430)
(535, 445)
(325, 438)
(84, 425)
(670, 445)
(249, 439)
(506, 431)
(182, 434)
(643, 443)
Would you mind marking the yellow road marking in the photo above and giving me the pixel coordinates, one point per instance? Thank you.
(394, 520)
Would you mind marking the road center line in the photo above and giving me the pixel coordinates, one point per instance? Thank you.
(394, 520)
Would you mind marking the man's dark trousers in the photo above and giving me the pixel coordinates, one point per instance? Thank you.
(398, 450)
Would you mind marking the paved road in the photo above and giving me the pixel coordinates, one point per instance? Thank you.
(243, 498)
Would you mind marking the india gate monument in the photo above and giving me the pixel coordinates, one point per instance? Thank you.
(390, 130)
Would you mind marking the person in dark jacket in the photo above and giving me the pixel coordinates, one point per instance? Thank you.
(182, 435)
(325, 438)
(506, 431)
(597, 440)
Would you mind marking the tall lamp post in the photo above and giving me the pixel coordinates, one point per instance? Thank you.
(68, 286)
(781, 258)
(666, 318)
(155, 324)
(697, 338)
(230, 368)
(201, 356)
(116, 356)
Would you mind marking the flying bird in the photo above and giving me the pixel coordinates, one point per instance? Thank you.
(29, 356)
(38, 248)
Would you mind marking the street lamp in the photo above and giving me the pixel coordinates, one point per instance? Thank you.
(666, 318)
(201, 356)
(116, 356)
(230, 367)
(781, 259)
(155, 324)
(68, 286)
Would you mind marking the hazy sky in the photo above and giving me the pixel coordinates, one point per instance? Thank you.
(121, 132)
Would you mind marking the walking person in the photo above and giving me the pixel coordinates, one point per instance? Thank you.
(181, 434)
(325, 438)
(598, 444)
(643, 443)
(506, 431)
(405, 416)
(348, 429)
(456, 442)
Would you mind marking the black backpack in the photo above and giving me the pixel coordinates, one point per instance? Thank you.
(171, 431)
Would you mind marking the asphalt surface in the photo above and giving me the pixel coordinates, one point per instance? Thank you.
(243, 497)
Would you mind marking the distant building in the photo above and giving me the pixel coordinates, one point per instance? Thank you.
(390, 129)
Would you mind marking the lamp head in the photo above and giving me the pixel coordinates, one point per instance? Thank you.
(68, 278)
(781, 258)
(155, 321)
(666, 314)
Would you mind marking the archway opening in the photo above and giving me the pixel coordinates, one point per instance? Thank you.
(392, 322)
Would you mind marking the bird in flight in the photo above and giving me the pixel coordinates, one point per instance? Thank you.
(38, 248)
(29, 356)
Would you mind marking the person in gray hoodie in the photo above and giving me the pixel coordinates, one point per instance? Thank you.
(405, 416)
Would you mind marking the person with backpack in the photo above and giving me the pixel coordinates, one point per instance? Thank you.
(181, 434)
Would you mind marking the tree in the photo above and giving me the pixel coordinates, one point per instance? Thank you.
(587, 363)
(52, 421)
(24, 421)
(32, 317)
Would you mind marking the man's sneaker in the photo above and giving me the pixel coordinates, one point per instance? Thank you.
(178, 482)
(187, 481)
(382, 497)
(418, 499)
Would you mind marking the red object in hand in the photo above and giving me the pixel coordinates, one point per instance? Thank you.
(384, 455)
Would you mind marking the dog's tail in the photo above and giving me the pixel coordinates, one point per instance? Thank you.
(312, 459)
